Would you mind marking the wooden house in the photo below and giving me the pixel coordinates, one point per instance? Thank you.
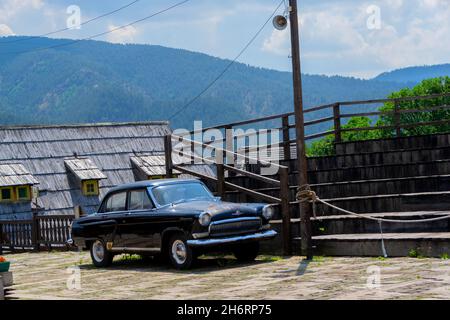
(68, 168)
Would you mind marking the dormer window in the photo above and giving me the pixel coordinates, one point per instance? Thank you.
(23, 193)
(150, 167)
(90, 188)
(87, 174)
(6, 194)
(15, 183)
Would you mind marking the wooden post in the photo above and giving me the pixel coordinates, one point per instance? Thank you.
(286, 138)
(168, 155)
(305, 209)
(1, 238)
(285, 211)
(220, 180)
(337, 123)
(35, 241)
(220, 173)
(229, 146)
(398, 131)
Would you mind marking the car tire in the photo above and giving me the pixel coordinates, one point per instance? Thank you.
(100, 256)
(180, 254)
(246, 252)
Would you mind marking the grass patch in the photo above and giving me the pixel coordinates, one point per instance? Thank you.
(270, 258)
(130, 257)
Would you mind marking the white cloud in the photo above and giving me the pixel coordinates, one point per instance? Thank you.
(277, 43)
(335, 39)
(5, 30)
(10, 8)
(122, 35)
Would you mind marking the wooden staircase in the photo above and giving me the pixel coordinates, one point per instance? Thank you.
(409, 179)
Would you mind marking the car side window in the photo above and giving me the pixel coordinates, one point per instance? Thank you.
(139, 200)
(116, 202)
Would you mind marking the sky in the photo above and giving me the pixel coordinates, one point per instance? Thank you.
(338, 37)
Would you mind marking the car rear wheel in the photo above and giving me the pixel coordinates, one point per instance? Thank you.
(99, 255)
(180, 253)
(246, 252)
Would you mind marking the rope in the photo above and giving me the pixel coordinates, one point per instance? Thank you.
(383, 248)
(305, 194)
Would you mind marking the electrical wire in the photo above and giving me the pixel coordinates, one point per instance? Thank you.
(68, 28)
(212, 82)
(228, 66)
(101, 34)
(221, 74)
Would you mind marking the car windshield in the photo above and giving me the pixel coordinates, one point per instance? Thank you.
(181, 192)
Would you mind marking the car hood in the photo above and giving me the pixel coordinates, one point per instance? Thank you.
(219, 209)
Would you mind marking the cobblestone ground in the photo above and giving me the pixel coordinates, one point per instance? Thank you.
(49, 276)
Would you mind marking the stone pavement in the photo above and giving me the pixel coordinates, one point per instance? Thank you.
(54, 275)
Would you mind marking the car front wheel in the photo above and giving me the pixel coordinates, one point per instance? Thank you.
(180, 253)
(99, 255)
(247, 252)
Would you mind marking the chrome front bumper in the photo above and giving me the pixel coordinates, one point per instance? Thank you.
(265, 235)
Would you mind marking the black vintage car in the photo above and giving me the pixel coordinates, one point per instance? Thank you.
(175, 218)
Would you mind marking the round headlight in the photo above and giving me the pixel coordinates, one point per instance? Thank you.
(204, 219)
(268, 212)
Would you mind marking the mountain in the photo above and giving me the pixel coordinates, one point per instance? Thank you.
(46, 80)
(415, 74)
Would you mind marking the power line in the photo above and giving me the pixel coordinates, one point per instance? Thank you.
(65, 29)
(215, 80)
(103, 33)
(228, 66)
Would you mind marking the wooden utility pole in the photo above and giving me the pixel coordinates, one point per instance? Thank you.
(305, 207)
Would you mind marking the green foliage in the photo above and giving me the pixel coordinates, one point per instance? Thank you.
(426, 87)
(325, 146)
(413, 253)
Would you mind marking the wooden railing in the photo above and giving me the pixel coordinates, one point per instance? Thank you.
(336, 116)
(49, 231)
(396, 114)
(223, 170)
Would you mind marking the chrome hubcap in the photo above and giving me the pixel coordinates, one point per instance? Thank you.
(179, 251)
(98, 250)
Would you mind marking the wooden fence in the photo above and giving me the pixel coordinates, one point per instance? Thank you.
(42, 231)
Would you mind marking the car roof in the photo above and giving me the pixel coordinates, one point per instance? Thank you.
(150, 183)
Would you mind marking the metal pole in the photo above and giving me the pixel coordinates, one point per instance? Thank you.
(305, 207)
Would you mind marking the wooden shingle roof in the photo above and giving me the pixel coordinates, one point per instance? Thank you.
(15, 174)
(84, 169)
(151, 165)
(43, 150)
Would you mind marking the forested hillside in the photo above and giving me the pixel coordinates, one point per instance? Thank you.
(93, 81)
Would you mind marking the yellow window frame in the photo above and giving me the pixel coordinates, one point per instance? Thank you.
(11, 190)
(28, 193)
(85, 187)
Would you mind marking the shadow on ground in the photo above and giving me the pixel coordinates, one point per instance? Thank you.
(303, 266)
(203, 265)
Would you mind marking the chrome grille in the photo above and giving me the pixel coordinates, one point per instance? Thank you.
(234, 226)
